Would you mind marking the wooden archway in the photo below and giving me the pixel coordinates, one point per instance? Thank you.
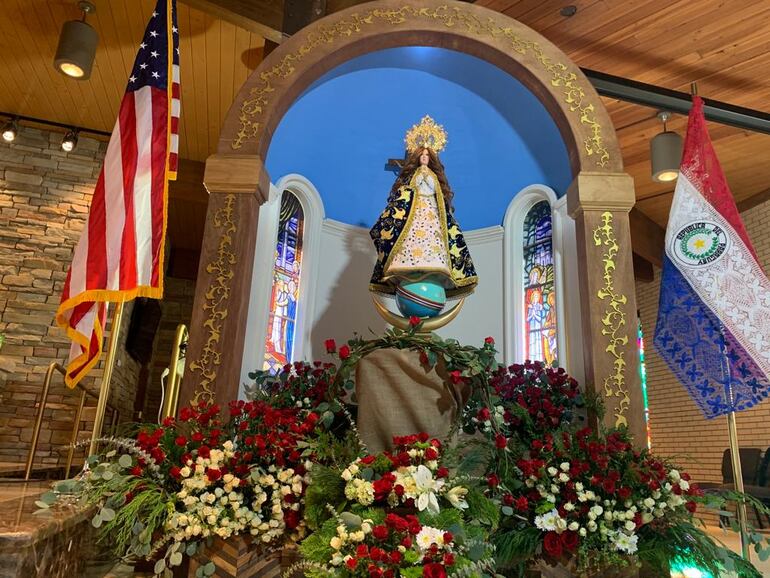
(599, 199)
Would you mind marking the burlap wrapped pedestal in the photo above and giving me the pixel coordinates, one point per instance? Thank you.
(397, 396)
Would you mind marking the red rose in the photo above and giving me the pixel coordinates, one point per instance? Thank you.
(344, 352)
(175, 472)
(136, 471)
(204, 452)
(414, 321)
(448, 537)
(456, 377)
(213, 475)
(331, 345)
(489, 341)
(442, 472)
(552, 544)
(493, 481)
(351, 563)
(508, 500)
(181, 441)
(197, 436)
(433, 570)
(380, 532)
(569, 540)
(449, 559)
(431, 454)
(169, 421)
(291, 518)
(691, 507)
(483, 414)
(501, 442)
(624, 493)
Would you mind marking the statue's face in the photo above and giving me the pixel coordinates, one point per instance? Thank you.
(424, 158)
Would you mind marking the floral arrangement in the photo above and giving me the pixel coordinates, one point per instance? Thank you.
(408, 476)
(399, 513)
(530, 484)
(176, 485)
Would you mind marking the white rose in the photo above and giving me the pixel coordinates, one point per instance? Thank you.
(569, 506)
(552, 471)
(564, 466)
(563, 477)
(336, 543)
(582, 531)
(573, 526)
(630, 526)
(346, 475)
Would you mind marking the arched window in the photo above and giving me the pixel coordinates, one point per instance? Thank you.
(539, 304)
(287, 268)
(539, 261)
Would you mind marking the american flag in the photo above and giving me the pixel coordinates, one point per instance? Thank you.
(120, 253)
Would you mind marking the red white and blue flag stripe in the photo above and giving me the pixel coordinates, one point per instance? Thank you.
(713, 325)
(120, 253)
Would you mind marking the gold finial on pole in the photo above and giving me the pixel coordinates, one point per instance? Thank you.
(694, 88)
(104, 390)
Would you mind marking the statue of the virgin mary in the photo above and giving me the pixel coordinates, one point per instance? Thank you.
(417, 237)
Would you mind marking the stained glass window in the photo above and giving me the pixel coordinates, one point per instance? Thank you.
(539, 290)
(279, 342)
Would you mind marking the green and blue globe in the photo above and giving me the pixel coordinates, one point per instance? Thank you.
(424, 298)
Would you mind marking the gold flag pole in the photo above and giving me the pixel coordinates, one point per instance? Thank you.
(735, 454)
(104, 391)
(174, 379)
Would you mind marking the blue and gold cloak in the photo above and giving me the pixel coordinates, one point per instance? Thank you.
(388, 235)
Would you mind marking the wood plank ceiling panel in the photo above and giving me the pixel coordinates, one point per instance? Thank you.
(724, 47)
(216, 58)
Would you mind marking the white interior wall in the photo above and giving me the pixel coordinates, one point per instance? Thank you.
(335, 301)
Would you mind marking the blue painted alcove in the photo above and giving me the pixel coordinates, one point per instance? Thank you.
(342, 129)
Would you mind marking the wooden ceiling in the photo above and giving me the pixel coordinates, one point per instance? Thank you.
(216, 57)
(723, 46)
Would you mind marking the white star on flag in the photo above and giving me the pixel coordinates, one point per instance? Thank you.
(154, 54)
(153, 33)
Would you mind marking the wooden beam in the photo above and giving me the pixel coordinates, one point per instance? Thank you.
(643, 269)
(263, 17)
(188, 185)
(647, 237)
(754, 200)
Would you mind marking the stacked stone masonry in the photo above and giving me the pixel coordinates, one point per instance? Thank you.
(45, 195)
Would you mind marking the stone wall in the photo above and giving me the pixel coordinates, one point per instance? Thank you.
(44, 201)
(678, 429)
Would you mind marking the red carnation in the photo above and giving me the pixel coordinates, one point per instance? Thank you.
(691, 507)
(136, 471)
(442, 472)
(449, 559)
(501, 442)
(197, 436)
(344, 352)
(433, 570)
(431, 454)
(456, 377)
(175, 472)
(414, 321)
(181, 441)
(624, 493)
(493, 481)
(448, 537)
(483, 414)
(552, 544)
(522, 503)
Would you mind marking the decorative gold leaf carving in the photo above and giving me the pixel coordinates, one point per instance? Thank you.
(452, 17)
(613, 321)
(217, 296)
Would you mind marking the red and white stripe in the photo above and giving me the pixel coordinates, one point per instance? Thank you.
(120, 254)
(173, 156)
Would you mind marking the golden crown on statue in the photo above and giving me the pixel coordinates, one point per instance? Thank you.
(427, 134)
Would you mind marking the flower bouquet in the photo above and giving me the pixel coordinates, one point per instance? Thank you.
(398, 513)
(163, 494)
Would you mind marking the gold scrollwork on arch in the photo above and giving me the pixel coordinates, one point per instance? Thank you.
(562, 78)
(217, 297)
(613, 322)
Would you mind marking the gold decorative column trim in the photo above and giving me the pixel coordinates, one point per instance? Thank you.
(467, 22)
(217, 297)
(614, 322)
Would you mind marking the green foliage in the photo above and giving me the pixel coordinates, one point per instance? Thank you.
(514, 547)
(327, 487)
(484, 510)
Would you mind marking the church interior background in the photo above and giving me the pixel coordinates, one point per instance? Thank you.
(274, 234)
